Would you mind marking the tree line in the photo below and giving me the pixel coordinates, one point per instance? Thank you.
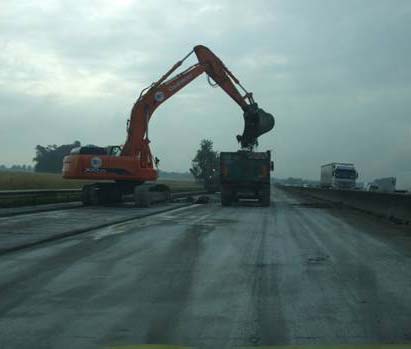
(16, 168)
(50, 158)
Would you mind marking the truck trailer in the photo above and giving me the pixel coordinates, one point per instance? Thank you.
(245, 175)
(338, 176)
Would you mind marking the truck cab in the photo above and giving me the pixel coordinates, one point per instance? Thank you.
(338, 176)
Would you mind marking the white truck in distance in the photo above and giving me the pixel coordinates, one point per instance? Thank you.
(338, 176)
(384, 185)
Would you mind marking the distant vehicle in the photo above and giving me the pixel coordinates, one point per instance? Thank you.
(338, 176)
(384, 185)
(371, 187)
(245, 175)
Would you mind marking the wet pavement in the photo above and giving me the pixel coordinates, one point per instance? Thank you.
(24, 230)
(297, 272)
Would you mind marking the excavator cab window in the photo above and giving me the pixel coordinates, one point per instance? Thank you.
(89, 150)
(114, 150)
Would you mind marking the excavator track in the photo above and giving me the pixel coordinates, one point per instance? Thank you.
(110, 193)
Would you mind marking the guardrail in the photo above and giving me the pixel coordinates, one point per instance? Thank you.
(394, 206)
(10, 198)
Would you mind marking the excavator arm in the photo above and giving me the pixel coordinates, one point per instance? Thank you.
(216, 69)
(256, 120)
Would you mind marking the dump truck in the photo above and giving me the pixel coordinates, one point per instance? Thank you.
(245, 175)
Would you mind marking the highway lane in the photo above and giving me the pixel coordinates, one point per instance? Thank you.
(23, 230)
(298, 272)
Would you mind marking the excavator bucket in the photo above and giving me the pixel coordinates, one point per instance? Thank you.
(256, 123)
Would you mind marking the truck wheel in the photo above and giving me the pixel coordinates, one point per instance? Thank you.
(266, 198)
(266, 202)
(226, 198)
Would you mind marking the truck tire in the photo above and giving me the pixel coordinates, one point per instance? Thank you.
(226, 200)
(226, 197)
(266, 197)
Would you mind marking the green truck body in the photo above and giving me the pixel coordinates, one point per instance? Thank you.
(245, 175)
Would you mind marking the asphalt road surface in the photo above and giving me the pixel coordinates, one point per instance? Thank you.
(298, 272)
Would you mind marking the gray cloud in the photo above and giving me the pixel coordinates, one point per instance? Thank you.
(336, 75)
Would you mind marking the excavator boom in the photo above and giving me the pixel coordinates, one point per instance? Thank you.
(152, 97)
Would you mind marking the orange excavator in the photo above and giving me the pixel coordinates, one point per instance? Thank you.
(129, 166)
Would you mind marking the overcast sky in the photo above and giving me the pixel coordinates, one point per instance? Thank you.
(336, 75)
